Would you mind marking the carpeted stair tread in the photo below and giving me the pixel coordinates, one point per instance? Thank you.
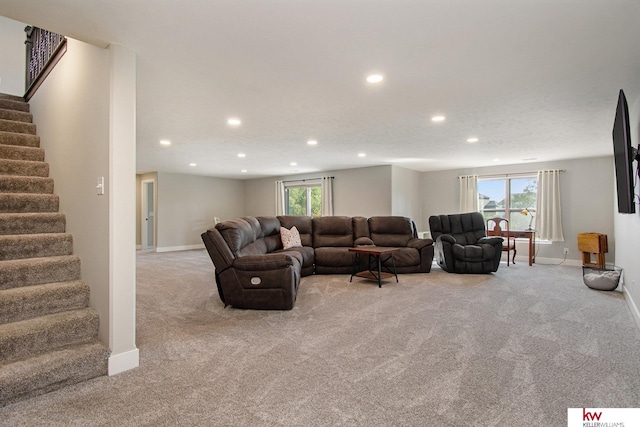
(35, 271)
(27, 302)
(20, 139)
(16, 152)
(29, 338)
(25, 202)
(18, 116)
(12, 97)
(23, 246)
(9, 103)
(52, 371)
(32, 223)
(26, 184)
(24, 168)
(17, 127)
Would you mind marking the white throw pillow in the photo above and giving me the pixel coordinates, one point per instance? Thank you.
(290, 238)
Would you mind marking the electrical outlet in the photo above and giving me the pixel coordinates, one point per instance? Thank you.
(566, 251)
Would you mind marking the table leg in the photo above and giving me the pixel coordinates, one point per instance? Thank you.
(379, 271)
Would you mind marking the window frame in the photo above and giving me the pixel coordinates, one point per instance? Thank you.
(308, 187)
(507, 210)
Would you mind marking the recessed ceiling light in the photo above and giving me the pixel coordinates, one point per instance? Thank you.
(375, 78)
(165, 142)
(437, 119)
(243, 171)
(242, 155)
(234, 122)
(312, 142)
(472, 140)
(192, 164)
(361, 155)
(496, 160)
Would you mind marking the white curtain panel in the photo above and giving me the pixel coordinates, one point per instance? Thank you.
(279, 198)
(549, 214)
(468, 193)
(327, 196)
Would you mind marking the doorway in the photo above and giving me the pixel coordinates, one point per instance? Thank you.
(148, 215)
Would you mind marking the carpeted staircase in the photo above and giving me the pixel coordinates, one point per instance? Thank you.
(48, 333)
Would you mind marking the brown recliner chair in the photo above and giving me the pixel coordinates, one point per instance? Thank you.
(462, 245)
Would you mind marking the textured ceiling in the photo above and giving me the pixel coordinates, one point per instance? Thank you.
(533, 80)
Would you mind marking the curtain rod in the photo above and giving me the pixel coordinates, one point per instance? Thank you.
(307, 179)
(509, 175)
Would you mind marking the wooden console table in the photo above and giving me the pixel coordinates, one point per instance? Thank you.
(525, 234)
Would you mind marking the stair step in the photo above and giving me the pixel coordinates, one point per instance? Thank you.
(32, 223)
(24, 168)
(13, 97)
(21, 202)
(26, 184)
(27, 302)
(36, 271)
(13, 103)
(29, 338)
(35, 245)
(18, 116)
(16, 152)
(17, 127)
(20, 139)
(52, 371)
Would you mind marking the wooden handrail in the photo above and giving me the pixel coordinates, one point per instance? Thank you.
(44, 50)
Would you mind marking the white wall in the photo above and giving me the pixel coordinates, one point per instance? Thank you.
(12, 56)
(81, 132)
(356, 192)
(585, 187)
(405, 195)
(187, 205)
(627, 226)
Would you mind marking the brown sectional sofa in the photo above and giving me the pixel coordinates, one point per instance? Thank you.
(252, 270)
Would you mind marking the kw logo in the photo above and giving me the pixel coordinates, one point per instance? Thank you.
(590, 416)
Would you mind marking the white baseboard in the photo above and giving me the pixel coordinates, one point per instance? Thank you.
(179, 248)
(123, 362)
(557, 261)
(632, 305)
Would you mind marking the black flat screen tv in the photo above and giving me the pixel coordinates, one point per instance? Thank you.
(623, 157)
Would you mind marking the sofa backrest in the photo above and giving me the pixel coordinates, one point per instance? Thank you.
(302, 223)
(391, 230)
(466, 228)
(242, 236)
(336, 231)
(271, 232)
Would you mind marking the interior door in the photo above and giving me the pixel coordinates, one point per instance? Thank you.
(148, 215)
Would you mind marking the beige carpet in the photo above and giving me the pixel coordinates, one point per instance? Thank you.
(516, 348)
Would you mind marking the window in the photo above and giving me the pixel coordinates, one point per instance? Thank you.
(303, 200)
(507, 197)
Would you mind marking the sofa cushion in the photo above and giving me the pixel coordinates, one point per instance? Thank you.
(271, 231)
(290, 238)
(333, 231)
(302, 223)
(334, 257)
(390, 231)
(238, 234)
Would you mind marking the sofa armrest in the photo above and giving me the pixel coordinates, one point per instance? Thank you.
(447, 238)
(272, 261)
(419, 243)
(363, 241)
(492, 240)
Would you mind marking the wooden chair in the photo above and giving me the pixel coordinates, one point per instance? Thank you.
(495, 228)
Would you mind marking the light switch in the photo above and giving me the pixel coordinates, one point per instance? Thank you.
(100, 186)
